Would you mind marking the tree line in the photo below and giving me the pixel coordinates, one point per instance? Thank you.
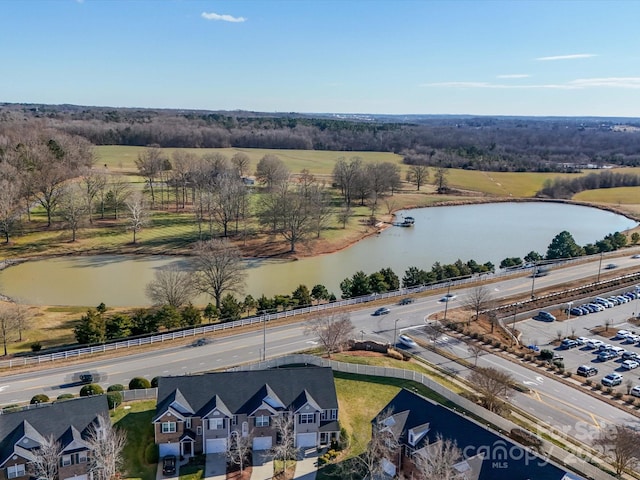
(568, 187)
(476, 143)
(564, 245)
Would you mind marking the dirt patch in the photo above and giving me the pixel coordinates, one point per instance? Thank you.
(238, 475)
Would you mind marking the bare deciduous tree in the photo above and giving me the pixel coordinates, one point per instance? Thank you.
(241, 162)
(137, 214)
(94, 182)
(73, 209)
(8, 324)
(107, 444)
(480, 298)
(171, 286)
(284, 449)
(119, 191)
(44, 465)
(622, 444)
(333, 331)
(345, 175)
(9, 206)
(492, 384)
(382, 449)
(239, 448)
(418, 174)
(440, 180)
(219, 269)
(475, 350)
(271, 171)
(149, 163)
(437, 460)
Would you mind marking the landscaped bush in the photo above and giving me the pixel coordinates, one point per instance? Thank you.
(116, 387)
(151, 454)
(114, 398)
(598, 386)
(64, 396)
(394, 354)
(91, 389)
(617, 395)
(546, 354)
(36, 346)
(154, 382)
(139, 383)
(608, 390)
(588, 382)
(40, 398)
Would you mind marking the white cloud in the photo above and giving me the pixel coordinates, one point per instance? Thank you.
(224, 18)
(567, 57)
(578, 84)
(514, 75)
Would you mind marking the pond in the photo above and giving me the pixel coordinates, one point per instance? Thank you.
(485, 232)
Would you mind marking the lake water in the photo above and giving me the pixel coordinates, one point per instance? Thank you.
(486, 232)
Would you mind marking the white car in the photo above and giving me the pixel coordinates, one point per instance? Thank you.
(448, 297)
(582, 340)
(630, 364)
(635, 391)
(594, 343)
(407, 341)
(622, 333)
(632, 338)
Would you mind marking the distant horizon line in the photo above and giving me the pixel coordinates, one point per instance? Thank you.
(334, 114)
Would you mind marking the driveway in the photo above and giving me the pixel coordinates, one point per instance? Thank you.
(307, 465)
(215, 467)
(262, 466)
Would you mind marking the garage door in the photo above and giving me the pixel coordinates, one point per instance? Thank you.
(262, 443)
(306, 440)
(169, 449)
(216, 445)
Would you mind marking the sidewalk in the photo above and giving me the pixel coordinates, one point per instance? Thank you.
(307, 465)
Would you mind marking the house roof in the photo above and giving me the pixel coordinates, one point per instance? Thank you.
(502, 459)
(243, 392)
(49, 420)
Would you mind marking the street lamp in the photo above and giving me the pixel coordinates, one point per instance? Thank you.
(569, 305)
(513, 323)
(395, 331)
(446, 303)
(534, 272)
(599, 266)
(362, 335)
(264, 337)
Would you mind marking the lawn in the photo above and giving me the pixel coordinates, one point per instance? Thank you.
(135, 418)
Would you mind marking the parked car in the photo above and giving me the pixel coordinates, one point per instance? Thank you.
(635, 391)
(545, 316)
(534, 348)
(627, 355)
(617, 351)
(606, 355)
(576, 311)
(587, 370)
(632, 338)
(622, 299)
(604, 302)
(594, 343)
(582, 340)
(630, 364)
(381, 311)
(568, 343)
(620, 334)
(611, 380)
(407, 341)
(169, 465)
(614, 300)
(604, 347)
(405, 301)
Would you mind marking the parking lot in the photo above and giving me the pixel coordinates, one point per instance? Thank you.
(546, 335)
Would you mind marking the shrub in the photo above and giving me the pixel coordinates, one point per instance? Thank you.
(36, 346)
(154, 382)
(40, 398)
(114, 398)
(474, 335)
(394, 354)
(617, 395)
(598, 386)
(138, 383)
(151, 454)
(64, 396)
(588, 382)
(608, 390)
(546, 354)
(91, 389)
(116, 387)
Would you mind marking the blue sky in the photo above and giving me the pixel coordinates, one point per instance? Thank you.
(479, 57)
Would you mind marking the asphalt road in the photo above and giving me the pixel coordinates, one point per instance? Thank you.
(563, 407)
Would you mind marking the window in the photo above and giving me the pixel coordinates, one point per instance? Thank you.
(66, 460)
(307, 418)
(216, 423)
(168, 427)
(15, 471)
(188, 422)
(198, 430)
(82, 457)
(329, 414)
(262, 421)
(234, 420)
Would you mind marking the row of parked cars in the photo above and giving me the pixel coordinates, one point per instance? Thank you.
(599, 303)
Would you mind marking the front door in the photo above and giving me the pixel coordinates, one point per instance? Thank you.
(187, 449)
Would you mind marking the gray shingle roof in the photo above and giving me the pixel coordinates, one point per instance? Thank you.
(49, 420)
(240, 391)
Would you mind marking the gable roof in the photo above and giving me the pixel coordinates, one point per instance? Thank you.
(471, 438)
(243, 392)
(49, 420)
